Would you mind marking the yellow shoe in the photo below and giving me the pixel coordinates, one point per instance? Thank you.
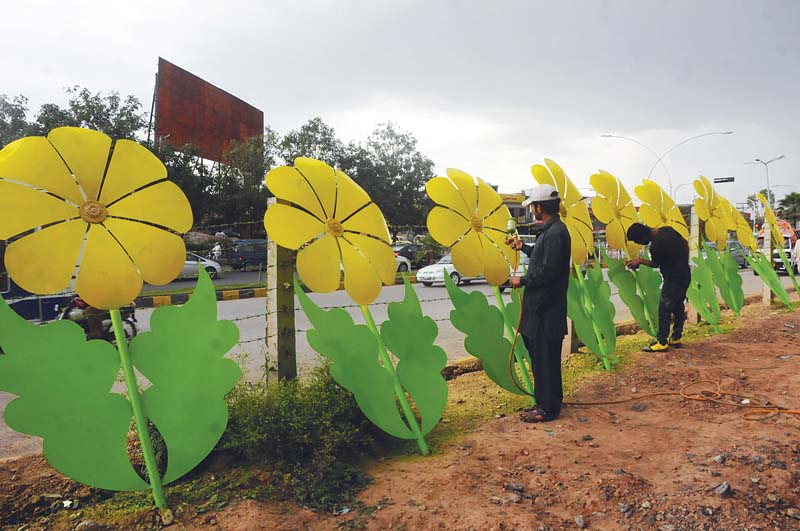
(656, 347)
(676, 343)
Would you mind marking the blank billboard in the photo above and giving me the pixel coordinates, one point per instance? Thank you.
(190, 110)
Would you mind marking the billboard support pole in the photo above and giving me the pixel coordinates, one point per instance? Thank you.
(280, 332)
(152, 109)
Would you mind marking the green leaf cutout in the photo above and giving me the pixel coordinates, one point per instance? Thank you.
(484, 327)
(183, 357)
(726, 279)
(789, 269)
(63, 386)
(639, 289)
(763, 266)
(592, 313)
(353, 352)
(702, 293)
(409, 335)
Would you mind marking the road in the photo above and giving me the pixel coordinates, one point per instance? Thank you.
(250, 318)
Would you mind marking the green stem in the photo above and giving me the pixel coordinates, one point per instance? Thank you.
(526, 379)
(640, 292)
(589, 311)
(398, 389)
(789, 269)
(138, 411)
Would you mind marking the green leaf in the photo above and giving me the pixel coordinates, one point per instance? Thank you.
(731, 269)
(484, 327)
(763, 266)
(410, 336)
(63, 386)
(353, 351)
(722, 277)
(581, 320)
(183, 357)
(592, 313)
(639, 289)
(703, 294)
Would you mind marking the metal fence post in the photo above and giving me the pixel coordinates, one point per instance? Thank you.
(280, 332)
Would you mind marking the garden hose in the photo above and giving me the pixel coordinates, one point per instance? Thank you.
(511, 370)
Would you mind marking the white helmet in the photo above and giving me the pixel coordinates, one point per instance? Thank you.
(543, 192)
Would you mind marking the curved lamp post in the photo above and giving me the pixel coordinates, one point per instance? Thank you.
(766, 169)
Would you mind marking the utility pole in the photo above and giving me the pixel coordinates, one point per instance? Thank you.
(280, 327)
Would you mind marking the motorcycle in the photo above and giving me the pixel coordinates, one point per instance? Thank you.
(76, 311)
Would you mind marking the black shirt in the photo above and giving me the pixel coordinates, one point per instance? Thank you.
(670, 253)
(544, 303)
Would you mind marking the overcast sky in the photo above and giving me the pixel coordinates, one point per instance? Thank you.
(487, 87)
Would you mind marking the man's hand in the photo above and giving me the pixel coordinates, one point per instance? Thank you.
(633, 264)
(514, 243)
(515, 281)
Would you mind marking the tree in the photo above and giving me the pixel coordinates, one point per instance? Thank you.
(315, 139)
(769, 195)
(789, 208)
(14, 119)
(393, 172)
(186, 169)
(755, 207)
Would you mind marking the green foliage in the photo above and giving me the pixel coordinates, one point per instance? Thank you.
(63, 386)
(310, 434)
(763, 266)
(592, 313)
(639, 289)
(725, 274)
(789, 208)
(703, 295)
(186, 400)
(483, 325)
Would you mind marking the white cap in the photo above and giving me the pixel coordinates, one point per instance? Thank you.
(543, 192)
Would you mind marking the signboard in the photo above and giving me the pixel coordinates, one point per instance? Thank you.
(513, 198)
(190, 110)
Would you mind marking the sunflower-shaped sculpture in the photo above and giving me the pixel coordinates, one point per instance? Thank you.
(744, 233)
(613, 206)
(574, 211)
(658, 209)
(75, 198)
(335, 225)
(772, 221)
(715, 211)
(471, 219)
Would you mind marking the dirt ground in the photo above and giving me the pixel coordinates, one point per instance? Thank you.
(660, 463)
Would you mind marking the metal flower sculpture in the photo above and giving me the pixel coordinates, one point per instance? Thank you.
(778, 243)
(613, 206)
(658, 209)
(715, 212)
(336, 226)
(471, 219)
(70, 198)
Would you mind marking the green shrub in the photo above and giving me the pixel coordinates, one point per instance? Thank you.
(309, 434)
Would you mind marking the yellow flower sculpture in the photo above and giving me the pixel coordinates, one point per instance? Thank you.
(335, 224)
(574, 211)
(772, 221)
(658, 209)
(715, 211)
(471, 219)
(613, 206)
(76, 198)
(744, 233)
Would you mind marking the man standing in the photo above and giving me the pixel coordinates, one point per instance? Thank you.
(669, 252)
(544, 303)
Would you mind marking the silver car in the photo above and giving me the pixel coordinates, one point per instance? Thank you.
(194, 261)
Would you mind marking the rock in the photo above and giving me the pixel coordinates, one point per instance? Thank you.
(714, 473)
(645, 505)
(496, 500)
(588, 438)
(755, 480)
(626, 508)
(167, 518)
(88, 525)
(514, 486)
(513, 497)
(793, 513)
(639, 407)
(772, 498)
(708, 511)
(719, 459)
(580, 522)
(777, 464)
(723, 490)
(583, 419)
(666, 527)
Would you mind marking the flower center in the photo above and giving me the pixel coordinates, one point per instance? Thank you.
(335, 228)
(477, 224)
(93, 212)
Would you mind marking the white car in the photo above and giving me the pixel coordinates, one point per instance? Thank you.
(403, 264)
(190, 267)
(435, 273)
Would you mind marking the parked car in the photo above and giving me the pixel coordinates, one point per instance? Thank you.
(738, 251)
(778, 263)
(522, 269)
(190, 267)
(247, 253)
(403, 263)
(435, 273)
(408, 250)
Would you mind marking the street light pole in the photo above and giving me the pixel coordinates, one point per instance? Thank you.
(660, 158)
(766, 169)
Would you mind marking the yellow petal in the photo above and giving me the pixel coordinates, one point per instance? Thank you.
(132, 166)
(468, 255)
(163, 204)
(25, 208)
(633, 248)
(579, 251)
(488, 199)
(676, 221)
(701, 208)
(499, 240)
(34, 161)
(446, 226)
(43, 261)
(378, 253)
(651, 193)
(291, 227)
(106, 278)
(615, 235)
(318, 265)
(569, 193)
(543, 176)
(443, 191)
(498, 220)
(606, 185)
(602, 210)
(361, 280)
(322, 179)
(710, 228)
(368, 220)
(466, 188)
(350, 196)
(649, 215)
(495, 267)
(159, 255)
(86, 153)
(288, 184)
